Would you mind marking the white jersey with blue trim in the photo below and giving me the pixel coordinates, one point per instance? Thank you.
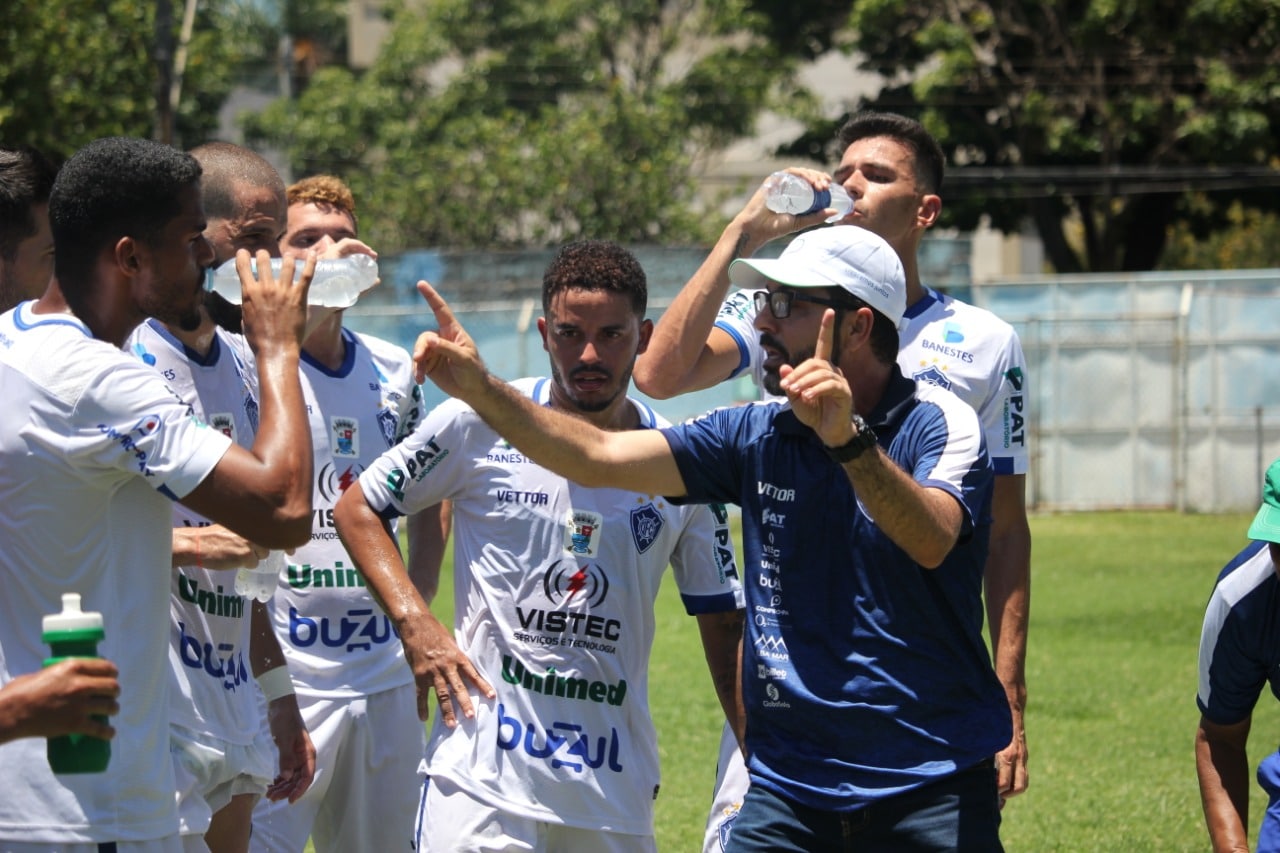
(212, 690)
(94, 447)
(554, 588)
(945, 342)
(337, 640)
(977, 356)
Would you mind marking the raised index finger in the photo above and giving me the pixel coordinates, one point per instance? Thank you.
(444, 314)
(826, 334)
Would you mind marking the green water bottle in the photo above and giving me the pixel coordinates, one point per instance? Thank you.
(74, 633)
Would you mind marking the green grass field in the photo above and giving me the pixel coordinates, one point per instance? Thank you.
(1117, 601)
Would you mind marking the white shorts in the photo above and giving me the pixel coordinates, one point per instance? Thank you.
(731, 786)
(365, 792)
(453, 821)
(172, 844)
(210, 771)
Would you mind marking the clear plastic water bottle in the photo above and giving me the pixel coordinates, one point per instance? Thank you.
(260, 581)
(788, 193)
(337, 283)
(74, 633)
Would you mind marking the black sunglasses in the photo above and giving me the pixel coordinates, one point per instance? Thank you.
(779, 302)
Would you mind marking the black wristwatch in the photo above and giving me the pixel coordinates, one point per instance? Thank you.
(863, 440)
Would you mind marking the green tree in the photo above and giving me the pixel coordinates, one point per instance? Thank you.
(1107, 112)
(75, 70)
(528, 122)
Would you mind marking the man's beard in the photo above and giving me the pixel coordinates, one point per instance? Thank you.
(771, 378)
(589, 406)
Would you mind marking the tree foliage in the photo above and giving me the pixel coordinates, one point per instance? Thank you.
(75, 70)
(1111, 110)
(530, 122)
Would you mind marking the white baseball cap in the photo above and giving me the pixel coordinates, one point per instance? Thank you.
(845, 256)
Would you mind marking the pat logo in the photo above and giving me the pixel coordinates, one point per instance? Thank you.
(582, 532)
(223, 423)
(345, 437)
(646, 524)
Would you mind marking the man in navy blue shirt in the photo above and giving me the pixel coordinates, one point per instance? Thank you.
(873, 711)
(1239, 655)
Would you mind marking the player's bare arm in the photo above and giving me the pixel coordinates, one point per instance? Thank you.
(686, 351)
(440, 669)
(1222, 767)
(264, 493)
(1007, 582)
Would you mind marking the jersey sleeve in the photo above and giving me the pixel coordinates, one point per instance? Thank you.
(703, 451)
(703, 562)
(737, 318)
(131, 420)
(1006, 411)
(428, 466)
(946, 443)
(1231, 674)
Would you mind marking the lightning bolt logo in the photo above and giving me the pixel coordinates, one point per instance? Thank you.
(577, 583)
(348, 477)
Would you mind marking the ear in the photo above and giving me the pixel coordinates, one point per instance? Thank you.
(857, 329)
(542, 330)
(646, 330)
(929, 211)
(128, 255)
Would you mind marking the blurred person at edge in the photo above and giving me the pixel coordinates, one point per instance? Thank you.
(1239, 656)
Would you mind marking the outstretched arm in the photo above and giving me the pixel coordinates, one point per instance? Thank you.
(1222, 766)
(636, 460)
(686, 351)
(440, 668)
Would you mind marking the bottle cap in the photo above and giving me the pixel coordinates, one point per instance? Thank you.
(72, 618)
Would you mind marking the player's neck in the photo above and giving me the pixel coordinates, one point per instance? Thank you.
(325, 344)
(201, 339)
(620, 414)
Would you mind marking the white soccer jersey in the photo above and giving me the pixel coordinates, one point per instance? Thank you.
(943, 341)
(554, 589)
(337, 640)
(94, 446)
(978, 357)
(212, 691)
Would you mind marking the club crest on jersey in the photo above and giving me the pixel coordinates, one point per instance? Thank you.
(646, 524)
(346, 437)
(582, 532)
(223, 423)
(387, 422)
(934, 376)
